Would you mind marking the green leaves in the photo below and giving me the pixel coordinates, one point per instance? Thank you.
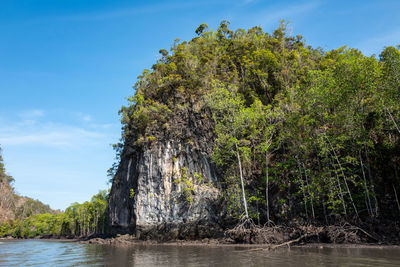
(274, 104)
(83, 219)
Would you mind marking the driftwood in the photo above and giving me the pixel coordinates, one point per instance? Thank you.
(352, 227)
(287, 243)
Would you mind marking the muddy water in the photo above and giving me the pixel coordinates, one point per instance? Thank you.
(55, 253)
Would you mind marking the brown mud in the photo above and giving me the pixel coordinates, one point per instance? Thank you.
(248, 235)
(251, 237)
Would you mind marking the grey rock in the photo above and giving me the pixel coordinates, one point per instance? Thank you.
(166, 190)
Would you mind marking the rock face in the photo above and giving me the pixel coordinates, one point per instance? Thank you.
(13, 206)
(166, 190)
(8, 202)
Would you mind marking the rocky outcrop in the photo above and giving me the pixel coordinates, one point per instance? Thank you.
(13, 206)
(8, 201)
(165, 190)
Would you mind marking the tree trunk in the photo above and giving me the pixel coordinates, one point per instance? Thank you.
(369, 206)
(302, 188)
(309, 193)
(324, 208)
(397, 200)
(371, 182)
(394, 122)
(340, 189)
(344, 177)
(267, 186)
(241, 181)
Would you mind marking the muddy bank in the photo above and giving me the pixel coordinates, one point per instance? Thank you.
(250, 235)
(128, 240)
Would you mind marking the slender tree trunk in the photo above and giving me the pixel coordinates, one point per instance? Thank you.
(309, 193)
(324, 208)
(344, 177)
(241, 181)
(267, 186)
(96, 224)
(82, 232)
(394, 189)
(267, 175)
(340, 189)
(369, 206)
(258, 213)
(102, 220)
(302, 188)
(371, 182)
(322, 195)
(394, 122)
(397, 200)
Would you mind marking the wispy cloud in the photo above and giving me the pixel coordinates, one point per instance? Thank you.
(83, 117)
(32, 114)
(375, 44)
(57, 152)
(247, 2)
(273, 14)
(30, 131)
(48, 135)
(128, 11)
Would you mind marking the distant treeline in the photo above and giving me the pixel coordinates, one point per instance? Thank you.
(26, 217)
(14, 207)
(83, 219)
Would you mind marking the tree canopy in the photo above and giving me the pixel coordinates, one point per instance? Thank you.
(311, 134)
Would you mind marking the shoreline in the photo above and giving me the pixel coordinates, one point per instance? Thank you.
(129, 241)
(249, 236)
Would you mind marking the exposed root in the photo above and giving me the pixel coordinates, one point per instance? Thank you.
(269, 224)
(248, 232)
(352, 227)
(280, 236)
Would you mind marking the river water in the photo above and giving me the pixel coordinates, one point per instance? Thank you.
(58, 253)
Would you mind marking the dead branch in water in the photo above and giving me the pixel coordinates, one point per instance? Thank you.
(287, 243)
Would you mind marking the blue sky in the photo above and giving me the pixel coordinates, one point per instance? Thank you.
(66, 67)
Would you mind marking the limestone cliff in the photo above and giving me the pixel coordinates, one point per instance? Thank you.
(168, 185)
(278, 117)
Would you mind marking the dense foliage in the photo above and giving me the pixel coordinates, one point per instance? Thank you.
(84, 219)
(26, 217)
(299, 133)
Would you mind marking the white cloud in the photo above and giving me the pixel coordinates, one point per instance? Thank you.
(83, 117)
(32, 114)
(34, 132)
(273, 14)
(129, 11)
(87, 118)
(48, 136)
(375, 44)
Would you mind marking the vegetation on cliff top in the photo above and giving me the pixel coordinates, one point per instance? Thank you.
(299, 134)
